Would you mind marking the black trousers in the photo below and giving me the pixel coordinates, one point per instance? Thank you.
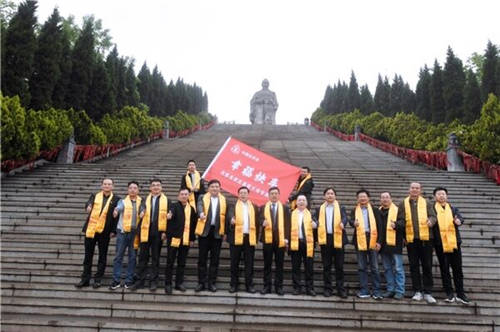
(180, 254)
(298, 257)
(453, 259)
(249, 253)
(148, 249)
(420, 253)
(329, 253)
(271, 250)
(208, 244)
(102, 241)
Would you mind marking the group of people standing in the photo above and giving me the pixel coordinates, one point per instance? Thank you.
(202, 213)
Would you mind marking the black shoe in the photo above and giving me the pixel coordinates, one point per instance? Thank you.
(462, 298)
(265, 290)
(153, 286)
(82, 283)
(180, 288)
(342, 294)
(251, 290)
(233, 289)
(279, 291)
(450, 298)
(128, 285)
(199, 288)
(296, 291)
(327, 293)
(115, 285)
(388, 295)
(311, 292)
(212, 288)
(137, 285)
(96, 284)
(168, 289)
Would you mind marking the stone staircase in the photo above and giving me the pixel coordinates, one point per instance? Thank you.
(42, 246)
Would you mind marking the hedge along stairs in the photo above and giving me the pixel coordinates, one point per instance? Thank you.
(42, 246)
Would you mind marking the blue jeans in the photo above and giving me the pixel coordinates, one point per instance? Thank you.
(124, 241)
(365, 258)
(394, 272)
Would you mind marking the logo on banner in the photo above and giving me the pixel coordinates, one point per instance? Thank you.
(235, 149)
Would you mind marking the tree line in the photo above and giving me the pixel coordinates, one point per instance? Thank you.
(61, 65)
(443, 93)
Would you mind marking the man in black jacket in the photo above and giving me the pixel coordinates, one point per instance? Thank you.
(192, 180)
(99, 228)
(180, 236)
(304, 186)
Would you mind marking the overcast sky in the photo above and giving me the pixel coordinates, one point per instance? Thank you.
(228, 47)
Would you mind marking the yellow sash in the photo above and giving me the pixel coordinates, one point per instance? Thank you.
(293, 204)
(187, 225)
(422, 220)
(239, 221)
(337, 231)
(360, 230)
(162, 217)
(200, 226)
(294, 236)
(268, 231)
(127, 212)
(446, 227)
(97, 220)
(390, 233)
(189, 185)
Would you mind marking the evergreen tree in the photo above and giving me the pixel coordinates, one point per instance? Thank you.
(396, 95)
(489, 83)
(366, 100)
(423, 95)
(144, 84)
(20, 47)
(61, 87)
(408, 99)
(326, 99)
(112, 70)
(353, 99)
(437, 101)
(382, 95)
(472, 98)
(98, 102)
(46, 68)
(83, 59)
(453, 87)
(131, 85)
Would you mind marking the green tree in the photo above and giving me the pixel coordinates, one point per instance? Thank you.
(366, 100)
(472, 98)
(382, 95)
(396, 95)
(98, 100)
(453, 87)
(20, 47)
(61, 87)
(423, 94)
(489, 83)
(353, 97)
(437, 101)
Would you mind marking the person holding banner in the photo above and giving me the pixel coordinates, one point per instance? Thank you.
(275, 222)
(210, 230)
(447, 242)
(243, 230)
(304, 186)
(154, 212)
(192, 180)
(301, 246)
(367, 241)
(391, 251)
(332, 219)
(99, 228)
(180, 236)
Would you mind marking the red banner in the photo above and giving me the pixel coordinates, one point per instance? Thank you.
(237, 164)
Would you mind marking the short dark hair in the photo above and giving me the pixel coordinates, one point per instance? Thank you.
(274, 188)
(307, 168)
(213, 181)
(182, 189)
(384, 192)
(360, 191)
(154, 180)
(191, 161)
(106, 178)
(243, 187)
(133, 182)
(438, 189)
(329, 188)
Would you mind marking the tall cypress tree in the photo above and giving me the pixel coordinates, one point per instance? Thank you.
(408, 99)
(353, 99)
(112, 70)
(20, 47)
(423, 94)
(383, 95)
(366, 103)
(83, 59)
(97, 102)
(131, 85)
(144, 84)
(46, 68)
(453, 86)
(489, 83)
(472, 98)
(437, 101)
(61, 88)
(396, 95)
(326, 98)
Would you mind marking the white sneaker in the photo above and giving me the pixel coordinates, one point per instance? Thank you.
(429, 299)
(417, 296)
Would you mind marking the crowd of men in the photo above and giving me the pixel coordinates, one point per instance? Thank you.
(202, 213)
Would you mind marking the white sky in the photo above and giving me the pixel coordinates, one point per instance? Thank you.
(228, 47)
